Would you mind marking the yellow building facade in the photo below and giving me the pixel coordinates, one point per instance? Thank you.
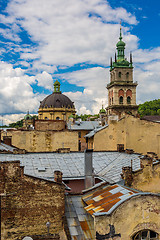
(140, 135)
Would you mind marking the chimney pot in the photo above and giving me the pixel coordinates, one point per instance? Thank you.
(58, 176)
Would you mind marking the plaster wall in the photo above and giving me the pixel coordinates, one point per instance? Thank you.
(132, 216)
(140, 135)
(147, 179)
(44, 141)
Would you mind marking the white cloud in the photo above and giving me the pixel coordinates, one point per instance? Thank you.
(67, 32)
(94, 81)
(16, 94)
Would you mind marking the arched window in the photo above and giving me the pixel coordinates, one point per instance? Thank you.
(127, 75)
(121, 93)
(112, 100)
(128, 100)
(129, 93)
(120, 100)
(27, 238)
(57, 118)
(145, 235)
(119, 74)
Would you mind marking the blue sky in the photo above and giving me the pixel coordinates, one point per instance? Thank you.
(72, 41)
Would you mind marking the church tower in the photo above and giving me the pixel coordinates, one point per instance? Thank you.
(121, 89)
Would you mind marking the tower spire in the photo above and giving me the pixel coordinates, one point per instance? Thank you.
(120, 37)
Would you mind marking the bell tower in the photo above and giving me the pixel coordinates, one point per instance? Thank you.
(121, 89)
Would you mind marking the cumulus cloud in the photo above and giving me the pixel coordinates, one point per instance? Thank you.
(16, 94)
(67, 32)
(95, 93)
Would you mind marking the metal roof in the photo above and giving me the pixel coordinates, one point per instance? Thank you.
(5, 147)
(80, 223)
(106, 198)
(93, 132)
(107, 165)
(83, 125)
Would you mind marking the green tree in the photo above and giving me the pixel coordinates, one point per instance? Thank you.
(149, 108)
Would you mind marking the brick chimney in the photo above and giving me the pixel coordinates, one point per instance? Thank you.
(127, 175)
(88, 169)
(58, 176)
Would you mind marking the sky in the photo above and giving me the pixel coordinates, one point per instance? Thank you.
(72, 41)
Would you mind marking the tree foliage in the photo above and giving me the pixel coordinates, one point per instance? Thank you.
(16, 124)
(149, 108)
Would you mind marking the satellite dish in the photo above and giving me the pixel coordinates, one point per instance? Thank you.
(27, 238)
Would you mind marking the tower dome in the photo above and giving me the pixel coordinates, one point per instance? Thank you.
(56, 106)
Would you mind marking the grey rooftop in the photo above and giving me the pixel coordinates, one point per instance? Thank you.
(107, 165)
(83, 125)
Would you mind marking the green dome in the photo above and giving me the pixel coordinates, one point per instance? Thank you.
(120, 44)
(102, 110)
(27, 116)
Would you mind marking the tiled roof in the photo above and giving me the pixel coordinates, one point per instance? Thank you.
(80, 223)
(105, 199)
(107, 165)
(6, 148)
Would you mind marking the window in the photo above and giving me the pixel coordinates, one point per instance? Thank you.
(128, 100)
(57, 118)
(79, 134)
(120, 100)
(145, 235)
(27, 238)
(127, 75)
(119, 74)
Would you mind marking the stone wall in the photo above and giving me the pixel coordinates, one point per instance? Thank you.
(132, 216)
(44, 141)
(146, 179)
(28, 203)
(44, 125)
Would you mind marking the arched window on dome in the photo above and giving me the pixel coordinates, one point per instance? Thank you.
(145, 235)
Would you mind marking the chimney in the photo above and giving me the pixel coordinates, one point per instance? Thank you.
(127, 175)
(58, 176)
(88, 169)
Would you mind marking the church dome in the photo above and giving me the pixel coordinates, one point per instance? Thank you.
(56, 100)
(27, 116)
